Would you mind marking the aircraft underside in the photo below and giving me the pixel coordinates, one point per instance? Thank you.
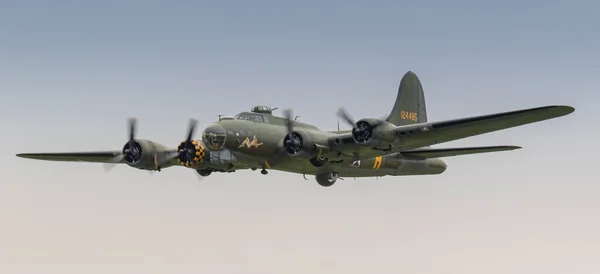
(226, 161)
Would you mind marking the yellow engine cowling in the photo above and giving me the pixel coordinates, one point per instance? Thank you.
(191, 154)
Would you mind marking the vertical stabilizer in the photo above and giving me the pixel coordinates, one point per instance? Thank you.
(410, 102)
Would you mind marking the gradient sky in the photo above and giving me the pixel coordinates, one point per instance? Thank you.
(71, 73)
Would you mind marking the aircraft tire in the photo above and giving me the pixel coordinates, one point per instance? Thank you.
(326, 180)
(318, 162)
(204, 172)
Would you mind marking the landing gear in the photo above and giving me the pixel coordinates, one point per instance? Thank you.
(264, 172)
(204, 172)
(327, 180)
(318, 162)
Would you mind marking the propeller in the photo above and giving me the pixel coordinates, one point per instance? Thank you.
(131, 151)
(191, 129)
(132, 127)
(345, 116)
(108, 166)
(187, 152)
(293, 141)
(362, 131)
(287, 113)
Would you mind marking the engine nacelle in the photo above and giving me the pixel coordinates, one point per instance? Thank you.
(191, 154)
(373, 132)
(305, 142)
(144, 154)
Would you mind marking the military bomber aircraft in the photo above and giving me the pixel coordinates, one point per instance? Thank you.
(397, 145)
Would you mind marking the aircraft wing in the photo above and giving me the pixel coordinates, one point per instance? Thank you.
(426, 134)
(93, 157)
(137, 153)
(448, 152)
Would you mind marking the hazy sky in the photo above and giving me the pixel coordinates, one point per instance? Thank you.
(71, 73)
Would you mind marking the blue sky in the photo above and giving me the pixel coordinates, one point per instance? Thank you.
(71, 73)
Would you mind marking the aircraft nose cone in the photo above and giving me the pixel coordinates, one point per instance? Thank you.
(214, 136)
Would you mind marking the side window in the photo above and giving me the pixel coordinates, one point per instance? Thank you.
(230, 132)
(266, 120)
(259, 119)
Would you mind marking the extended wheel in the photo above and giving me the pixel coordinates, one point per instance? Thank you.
(204, 172)
(318, 162)
(327, 180)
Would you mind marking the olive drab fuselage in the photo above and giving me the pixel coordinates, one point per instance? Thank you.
(254, 139)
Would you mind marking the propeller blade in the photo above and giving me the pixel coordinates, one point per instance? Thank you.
(174, 154)
(168, 157)
(288, 117)
(108, 166)
(345, 116)
(132, 127)
(191, 129)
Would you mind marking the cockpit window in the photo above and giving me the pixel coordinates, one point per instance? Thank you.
(246, 117)
(252, 117)
(214, 136)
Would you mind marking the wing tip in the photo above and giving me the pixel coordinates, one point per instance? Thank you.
(26, 155)
(564, 109)
(506, 147)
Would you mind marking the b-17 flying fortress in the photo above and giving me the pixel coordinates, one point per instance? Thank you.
(398, 145)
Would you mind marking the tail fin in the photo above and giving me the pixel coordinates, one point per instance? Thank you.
(410, 102)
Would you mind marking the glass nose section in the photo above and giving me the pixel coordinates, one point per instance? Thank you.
(214, 137)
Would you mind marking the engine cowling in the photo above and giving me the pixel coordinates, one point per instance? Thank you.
(372, 132)
(143, 154)
(303, 142)
(191, 154)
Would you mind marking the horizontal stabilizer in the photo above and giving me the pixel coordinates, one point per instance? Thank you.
(94, 157)
(448, 152)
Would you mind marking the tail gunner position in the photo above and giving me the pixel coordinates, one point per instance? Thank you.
(397, 145)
